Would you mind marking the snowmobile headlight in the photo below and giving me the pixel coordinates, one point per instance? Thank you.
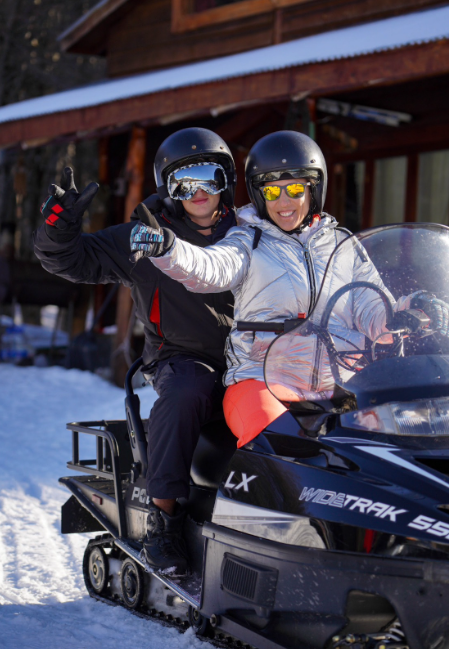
(422, 417)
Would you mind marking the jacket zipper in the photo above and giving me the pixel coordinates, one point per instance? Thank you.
(312, 281)
(311, 273)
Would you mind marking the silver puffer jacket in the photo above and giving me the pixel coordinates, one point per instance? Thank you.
(280, 279)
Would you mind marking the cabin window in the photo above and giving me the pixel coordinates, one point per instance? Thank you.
(188, 15)
(433, 187)
(388, 197)
(355, 185)
(390, 179)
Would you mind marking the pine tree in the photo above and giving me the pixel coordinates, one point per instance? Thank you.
(32, 65)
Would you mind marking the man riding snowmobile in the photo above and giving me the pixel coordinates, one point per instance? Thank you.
(185, 333)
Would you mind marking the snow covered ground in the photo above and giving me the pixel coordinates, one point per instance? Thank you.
(44, 603)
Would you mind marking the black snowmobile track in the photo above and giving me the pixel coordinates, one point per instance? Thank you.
(218, 640)
(215, 638)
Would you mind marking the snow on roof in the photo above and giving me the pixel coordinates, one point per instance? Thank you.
(387, 34)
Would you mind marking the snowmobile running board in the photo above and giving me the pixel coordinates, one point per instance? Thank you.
(127, 548)
(131, 552)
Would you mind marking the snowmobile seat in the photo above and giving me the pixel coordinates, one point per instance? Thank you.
(214, 451)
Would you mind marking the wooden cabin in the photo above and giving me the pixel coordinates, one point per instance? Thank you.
(368, 80)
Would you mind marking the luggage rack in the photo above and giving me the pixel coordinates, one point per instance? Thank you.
(112, 456)
(106, 463)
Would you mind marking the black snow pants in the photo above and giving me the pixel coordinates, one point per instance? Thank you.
(190, 392)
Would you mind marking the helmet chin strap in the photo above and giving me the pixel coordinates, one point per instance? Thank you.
(305, 224)
(198, 228)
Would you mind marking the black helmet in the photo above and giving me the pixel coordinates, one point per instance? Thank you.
(286, 154)
(188, 146)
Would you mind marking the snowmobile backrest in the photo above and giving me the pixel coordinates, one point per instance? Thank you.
(134, 422)
(136, 434)
(215, 448)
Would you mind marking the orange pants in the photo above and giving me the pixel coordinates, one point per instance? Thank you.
(248, 408)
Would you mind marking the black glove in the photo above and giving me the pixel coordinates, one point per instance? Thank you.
(64, 208)
(435, 309)
(149, 240)
(412, 320)
(154, 204)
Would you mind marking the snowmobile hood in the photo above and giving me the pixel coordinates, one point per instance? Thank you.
(401, 379)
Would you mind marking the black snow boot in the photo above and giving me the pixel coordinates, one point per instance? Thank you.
(164, 546)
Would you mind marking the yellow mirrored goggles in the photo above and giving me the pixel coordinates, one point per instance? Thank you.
(273, 192)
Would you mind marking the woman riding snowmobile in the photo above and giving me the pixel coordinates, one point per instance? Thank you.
(274, 263)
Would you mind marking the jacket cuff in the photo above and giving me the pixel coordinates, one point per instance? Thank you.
(169, 240)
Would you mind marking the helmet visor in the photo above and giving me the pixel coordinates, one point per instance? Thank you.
(182, 183)
(284, 174)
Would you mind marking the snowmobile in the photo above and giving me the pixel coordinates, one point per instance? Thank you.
(331, 528)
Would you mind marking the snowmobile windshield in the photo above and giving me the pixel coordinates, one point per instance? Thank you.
(353, 348)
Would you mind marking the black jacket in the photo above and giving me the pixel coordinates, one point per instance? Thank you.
(175, 320)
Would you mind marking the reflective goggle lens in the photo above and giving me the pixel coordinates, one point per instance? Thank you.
(273, 192)
(185, 181)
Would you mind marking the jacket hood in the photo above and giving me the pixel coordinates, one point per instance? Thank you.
(247, 215)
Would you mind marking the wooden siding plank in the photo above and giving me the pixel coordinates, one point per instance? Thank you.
(336, 14)
(119, 66)
(93, 19)
(183, 21)
(382, 68)
(300, 18)
(135, 45)
(139, 47)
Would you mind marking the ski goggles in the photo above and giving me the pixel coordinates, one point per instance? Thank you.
(184, 182)
(273, 192)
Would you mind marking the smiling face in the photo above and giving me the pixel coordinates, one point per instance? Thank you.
(202, 206)
(288, 213)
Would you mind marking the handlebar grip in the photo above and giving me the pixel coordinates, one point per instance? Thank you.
(275, 327)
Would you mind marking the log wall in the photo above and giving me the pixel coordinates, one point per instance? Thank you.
(143, 39)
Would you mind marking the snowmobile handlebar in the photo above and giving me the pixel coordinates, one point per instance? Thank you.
(275, 327)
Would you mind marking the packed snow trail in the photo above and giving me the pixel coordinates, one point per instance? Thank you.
(43, 601)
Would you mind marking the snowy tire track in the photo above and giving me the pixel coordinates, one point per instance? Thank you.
(43, 600)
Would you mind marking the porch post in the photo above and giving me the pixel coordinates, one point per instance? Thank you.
(368, 195)
(135, 174)
(411, 196)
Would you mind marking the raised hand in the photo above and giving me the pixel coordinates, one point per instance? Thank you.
(65, 206)
(148, 239)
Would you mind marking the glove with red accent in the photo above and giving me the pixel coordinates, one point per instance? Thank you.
(64, 208)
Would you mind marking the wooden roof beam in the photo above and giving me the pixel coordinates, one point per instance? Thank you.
(79, 38)
(321, 79)
(405, 140)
